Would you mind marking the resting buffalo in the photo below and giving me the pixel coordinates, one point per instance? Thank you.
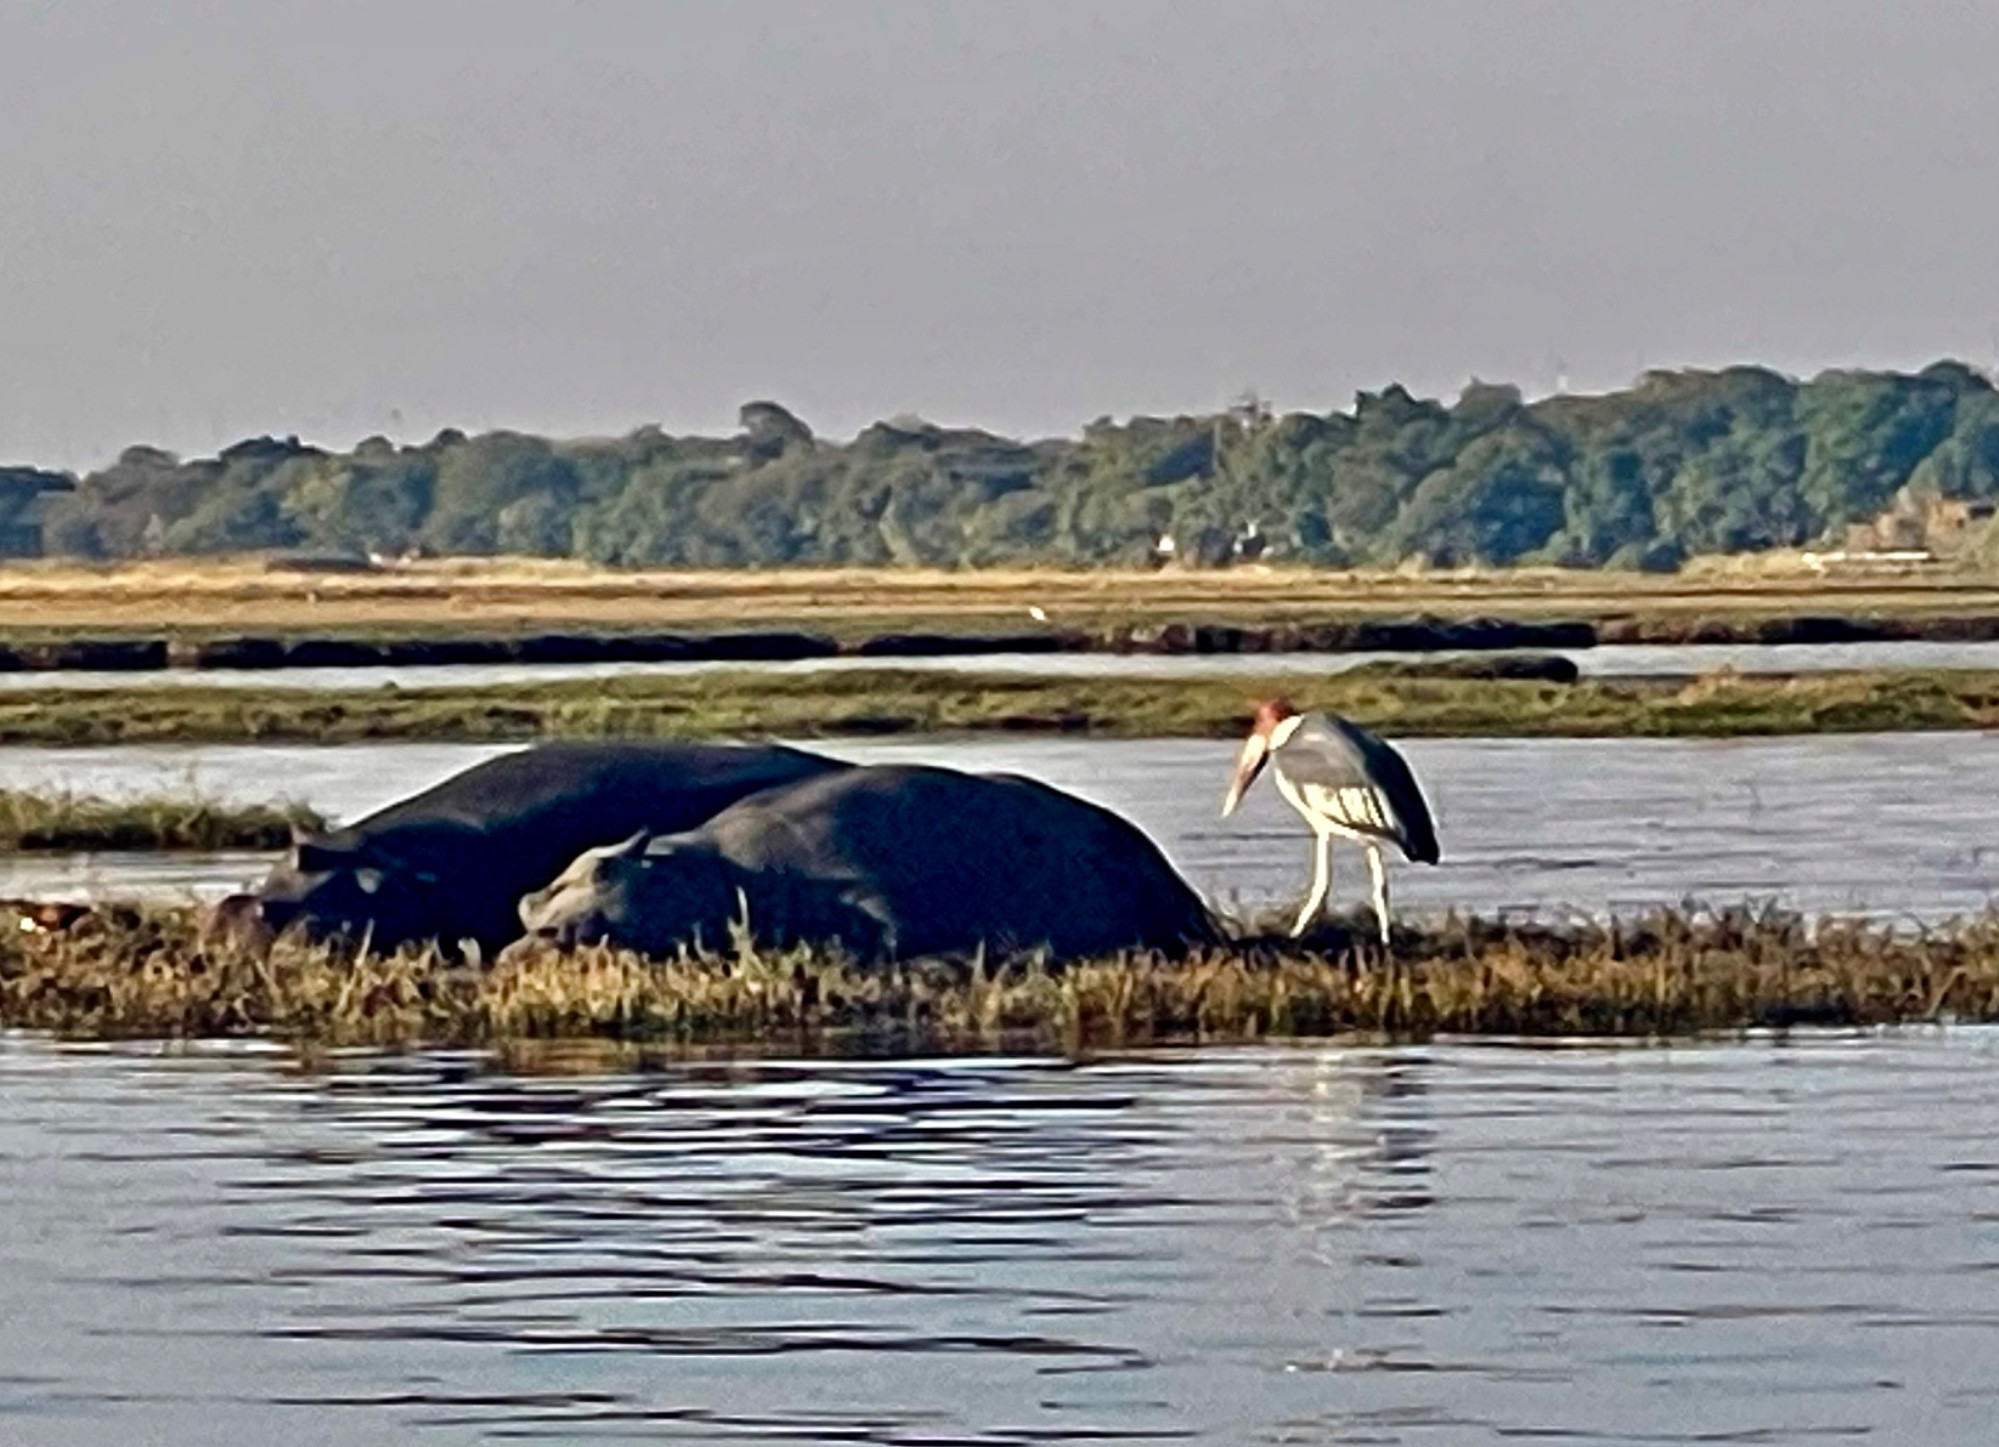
(451, 863)
(888, 861)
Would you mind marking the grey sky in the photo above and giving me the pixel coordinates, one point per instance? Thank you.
(223, 219)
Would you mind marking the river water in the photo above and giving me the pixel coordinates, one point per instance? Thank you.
(1611, 660)
(1763, 1242)
(1903, 827)
(1774, 1241)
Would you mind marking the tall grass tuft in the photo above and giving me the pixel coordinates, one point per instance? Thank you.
(74, 822)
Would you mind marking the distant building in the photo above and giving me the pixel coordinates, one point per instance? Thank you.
(1210, 546)
(1958, 524)
(1942, 527)
(23, 498)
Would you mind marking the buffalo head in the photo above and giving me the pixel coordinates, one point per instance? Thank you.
(651, 895)
(341, 886)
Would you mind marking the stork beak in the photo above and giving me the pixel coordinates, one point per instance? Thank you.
(1249, 763)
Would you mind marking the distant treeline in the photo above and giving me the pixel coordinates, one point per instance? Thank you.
(1681, 463)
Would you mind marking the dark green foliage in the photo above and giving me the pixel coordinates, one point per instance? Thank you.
(24, 494)
(1679, 464)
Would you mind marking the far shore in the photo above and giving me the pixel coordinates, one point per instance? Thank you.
(1450, 698)
(252, 613)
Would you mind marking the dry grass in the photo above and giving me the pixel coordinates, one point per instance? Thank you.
(72, 822)
(459, 596)
(152, 974)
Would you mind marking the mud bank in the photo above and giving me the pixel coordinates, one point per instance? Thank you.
(1417, 634)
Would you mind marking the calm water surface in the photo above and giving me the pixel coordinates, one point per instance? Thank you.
(1901, 826)
(1615, 660)
(1771, 1243)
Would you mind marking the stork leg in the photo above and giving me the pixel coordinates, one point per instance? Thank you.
(1380, 888)
(1322, 880)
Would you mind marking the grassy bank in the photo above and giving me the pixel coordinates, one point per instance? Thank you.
(70, 822)
(454, 598)
(139, 974)
(1399, 700)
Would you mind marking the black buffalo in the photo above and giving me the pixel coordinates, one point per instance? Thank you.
(891, 860)
(452, 863)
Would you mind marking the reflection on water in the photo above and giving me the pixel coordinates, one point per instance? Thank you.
(1900, 826)
(1769, 1243)
(1610, 660)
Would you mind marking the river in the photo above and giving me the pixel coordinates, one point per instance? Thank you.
(1765, 1242)
(1772, 1241)
(1903, 827)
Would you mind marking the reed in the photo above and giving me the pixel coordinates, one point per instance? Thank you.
(155, 973)
(64, 821)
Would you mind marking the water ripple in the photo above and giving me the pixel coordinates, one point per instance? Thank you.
(1783, 1241)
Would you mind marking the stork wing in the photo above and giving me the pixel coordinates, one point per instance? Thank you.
(1359, 782)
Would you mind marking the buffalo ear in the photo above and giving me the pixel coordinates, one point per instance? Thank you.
(313, 856)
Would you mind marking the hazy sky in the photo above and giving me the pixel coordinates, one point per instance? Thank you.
(349, 217)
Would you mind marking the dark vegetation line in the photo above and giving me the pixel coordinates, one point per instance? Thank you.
(1395, 635)
(740, 645)
(1681, 463)
(1398, 699)
(139, 973)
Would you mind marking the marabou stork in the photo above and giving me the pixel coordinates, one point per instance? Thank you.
(1347, 784)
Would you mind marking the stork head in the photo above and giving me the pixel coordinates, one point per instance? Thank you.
(1256, 749)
